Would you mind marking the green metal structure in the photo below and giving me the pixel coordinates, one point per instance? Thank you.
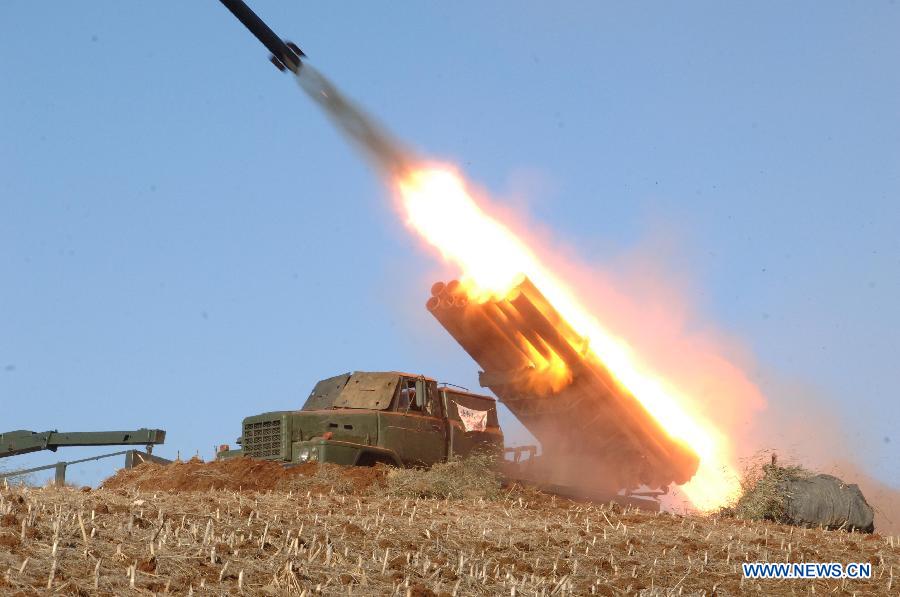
(15, 443)
(132, 459)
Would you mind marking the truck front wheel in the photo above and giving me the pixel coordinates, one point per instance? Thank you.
(370, 459)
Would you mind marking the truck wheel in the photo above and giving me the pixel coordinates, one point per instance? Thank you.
(370, 459)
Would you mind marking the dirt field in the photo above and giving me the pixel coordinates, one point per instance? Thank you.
(253, 528)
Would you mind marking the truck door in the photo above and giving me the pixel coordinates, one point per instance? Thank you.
(432, 421)
(425, 441)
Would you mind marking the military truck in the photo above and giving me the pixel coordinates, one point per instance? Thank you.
(363, 418)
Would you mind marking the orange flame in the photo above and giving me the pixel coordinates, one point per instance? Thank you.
(490, 256)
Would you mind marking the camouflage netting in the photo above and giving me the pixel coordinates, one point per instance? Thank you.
(824, 500)
(794, 495)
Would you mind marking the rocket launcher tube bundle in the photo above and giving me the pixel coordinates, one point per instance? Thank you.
(542, 371)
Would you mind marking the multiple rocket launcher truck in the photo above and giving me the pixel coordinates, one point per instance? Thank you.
(591, 428)
(597, 439)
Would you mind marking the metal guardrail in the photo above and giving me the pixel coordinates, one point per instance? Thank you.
(518, 454)
(132, 459)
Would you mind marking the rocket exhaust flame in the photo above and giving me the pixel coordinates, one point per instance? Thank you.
(564, 395)
(540, 327)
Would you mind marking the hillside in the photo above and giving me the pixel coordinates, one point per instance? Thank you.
(227, 528)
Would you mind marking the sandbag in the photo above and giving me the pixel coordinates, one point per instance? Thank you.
(826, 501)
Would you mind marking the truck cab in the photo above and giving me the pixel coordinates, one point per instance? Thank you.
(363, 418)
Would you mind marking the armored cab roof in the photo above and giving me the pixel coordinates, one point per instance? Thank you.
(359, 389)
(367, 389)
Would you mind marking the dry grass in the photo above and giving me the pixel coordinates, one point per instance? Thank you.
(474, 477)
(761, 498)
(128, 541)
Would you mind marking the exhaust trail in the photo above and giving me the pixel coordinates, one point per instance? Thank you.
(386, 153)
(390, 158)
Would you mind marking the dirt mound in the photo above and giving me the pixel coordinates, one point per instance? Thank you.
(245, 474)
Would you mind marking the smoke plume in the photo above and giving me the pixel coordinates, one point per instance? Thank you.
(380, 148)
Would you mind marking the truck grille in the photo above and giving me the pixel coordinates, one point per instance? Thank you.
(262, 439)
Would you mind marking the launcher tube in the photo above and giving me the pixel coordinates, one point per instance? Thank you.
(478, 337)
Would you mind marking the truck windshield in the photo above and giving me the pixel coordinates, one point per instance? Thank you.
(407, 399)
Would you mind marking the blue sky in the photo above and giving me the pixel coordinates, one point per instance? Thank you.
(185, 240)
